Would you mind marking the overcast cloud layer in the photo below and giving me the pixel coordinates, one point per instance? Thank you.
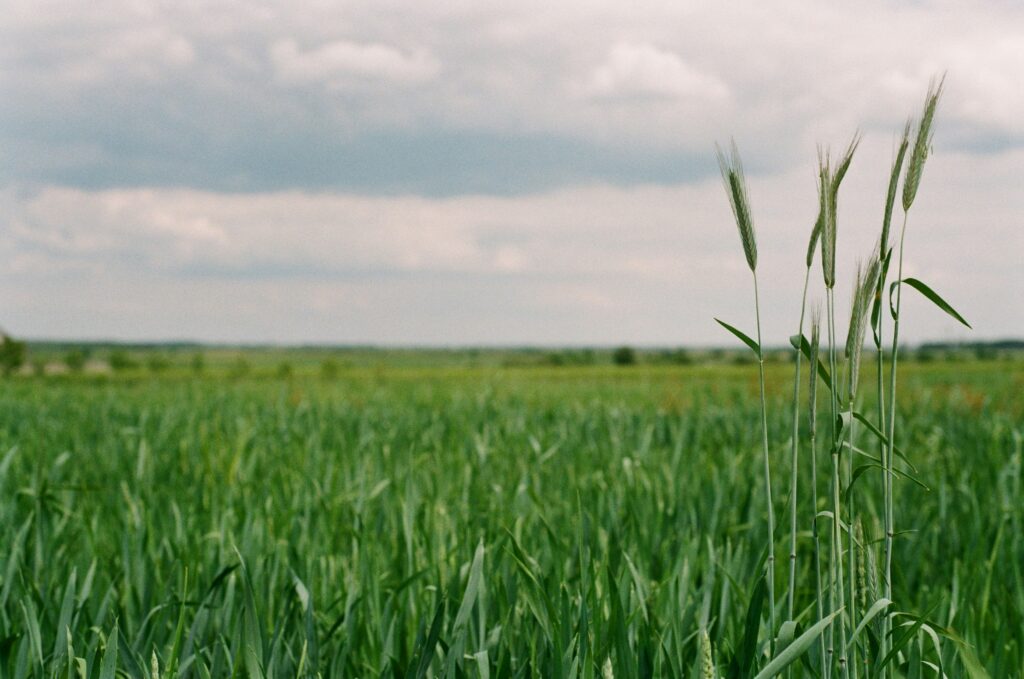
(403, 173)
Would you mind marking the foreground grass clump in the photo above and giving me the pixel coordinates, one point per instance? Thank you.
(466, 523)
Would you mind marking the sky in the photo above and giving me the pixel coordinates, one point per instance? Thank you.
(485, 173)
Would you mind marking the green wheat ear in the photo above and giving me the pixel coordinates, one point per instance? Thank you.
(736, 186)
(894, 178)
(707, 660)
(827, 219)
(863, 296)
(922, 144)
(842, 167)
(819, 223)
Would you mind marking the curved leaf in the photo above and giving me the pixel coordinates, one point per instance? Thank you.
(883, 438)
(745, 653)
(931, 295)
(742, 337)
(859, 471)
(876, 304)
(875, 609)
(796, 649)
(108, 666)
(800, 343)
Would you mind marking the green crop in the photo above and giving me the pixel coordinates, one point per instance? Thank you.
(856, 626)
(517, 522)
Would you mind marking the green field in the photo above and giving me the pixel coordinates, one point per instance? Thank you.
(479, 522)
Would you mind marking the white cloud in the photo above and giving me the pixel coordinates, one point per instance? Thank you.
(643, 70)
(338, 61)
(989, 76)
(591, 264)
(113, 94)
(667, 78)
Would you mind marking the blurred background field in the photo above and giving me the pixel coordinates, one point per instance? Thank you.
(532, 516)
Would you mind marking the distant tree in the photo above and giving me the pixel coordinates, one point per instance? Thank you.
(984, 352)
(198, 363)
(743, 358)
(624, 356)
(12, 355)
(682, 357)
(158, 363)
(556, 358)
(75, 360)
(329, 369)
(120, 361)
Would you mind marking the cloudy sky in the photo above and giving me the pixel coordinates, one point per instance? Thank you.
(470, 172)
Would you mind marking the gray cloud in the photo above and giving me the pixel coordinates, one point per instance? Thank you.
(479, 172)
(471, 97)
(592, 264)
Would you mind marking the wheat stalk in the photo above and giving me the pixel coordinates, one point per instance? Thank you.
(911, 181)
(812, 401)
(735, 185)
(795, 458)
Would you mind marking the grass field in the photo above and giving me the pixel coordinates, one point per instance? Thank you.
(423, 522)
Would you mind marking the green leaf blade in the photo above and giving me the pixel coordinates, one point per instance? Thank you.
(932, 296)
(796, 649)
(742, 336)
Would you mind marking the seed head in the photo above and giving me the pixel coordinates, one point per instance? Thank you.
(922, 143)
(828, 199)
(736, 188)
(862, 577)
(815, 234)
(815, 343)
(863, 296)
(828, 223)
(844, 165)
(707, 660)
(894, 179)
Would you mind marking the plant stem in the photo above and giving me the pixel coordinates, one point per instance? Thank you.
(889, 522)
(796, 454)
(767, 474)
(837, 540)
(851, 649)
(883, 450)
(814, 534)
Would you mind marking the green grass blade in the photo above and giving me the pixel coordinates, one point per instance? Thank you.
(67, 609)
(743, 337)
(472, 588)
(883, 438)
(873, 611)
(108, 665)
(805, 348)
(931, 295)
(426, 651)
(744, 658)
(796, 649)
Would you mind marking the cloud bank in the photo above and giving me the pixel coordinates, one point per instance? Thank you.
(476, 172)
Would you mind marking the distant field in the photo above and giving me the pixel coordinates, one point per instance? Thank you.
(401, 521)
(167, 359)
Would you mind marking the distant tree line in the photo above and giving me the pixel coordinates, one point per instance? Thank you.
(44, 358)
